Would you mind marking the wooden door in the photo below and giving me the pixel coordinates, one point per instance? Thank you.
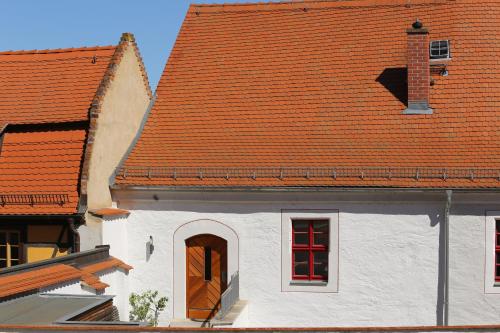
(206, 257)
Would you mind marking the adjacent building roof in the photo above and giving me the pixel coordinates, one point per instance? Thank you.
(47, 100)
(39, 171)
(52, 273)
(49, 86)
(312, 93)
(46, 309)
(41, 92)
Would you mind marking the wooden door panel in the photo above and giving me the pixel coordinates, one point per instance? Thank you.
(204, 292)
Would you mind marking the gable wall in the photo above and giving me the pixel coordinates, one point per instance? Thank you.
(122, 112)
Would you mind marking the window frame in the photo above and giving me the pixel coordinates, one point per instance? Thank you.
(491, 283)
(439, 57)
(288, 283)
(310, 248)
(496, 264)
(8, 248)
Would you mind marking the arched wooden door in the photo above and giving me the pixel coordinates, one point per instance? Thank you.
(206, 272)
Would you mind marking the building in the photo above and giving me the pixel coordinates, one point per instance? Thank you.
(67, 117)
(330, 163)
(66, 290)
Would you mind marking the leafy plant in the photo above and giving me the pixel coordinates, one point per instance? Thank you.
(147, 306)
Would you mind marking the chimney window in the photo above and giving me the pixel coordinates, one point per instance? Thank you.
(440, 49)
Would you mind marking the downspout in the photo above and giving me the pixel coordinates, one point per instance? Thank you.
(447, 255)
(76, 235)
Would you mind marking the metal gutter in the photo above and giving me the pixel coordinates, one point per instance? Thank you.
(295, 188)
(447, 257)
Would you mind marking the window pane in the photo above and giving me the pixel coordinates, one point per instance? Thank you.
(321, 264)
(321, 239)
(498, 257)
(498, 239)
(301, 239)
(14, 238)
(3, 263)
(3, 252)
(3, 238)
(300, 226)
(300, 232)
(320, 230)
(14, 252)
(497, 274)
(320, 226)
(208, 263)
(14, 262)
(301, 263)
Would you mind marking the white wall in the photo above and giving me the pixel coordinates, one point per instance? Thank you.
(388, 260)
(118, 287)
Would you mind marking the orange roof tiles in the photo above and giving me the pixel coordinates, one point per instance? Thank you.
(43, 86)
(39, 171)
(36, 279)
(110, 212)
(321, 84)
(40, 166)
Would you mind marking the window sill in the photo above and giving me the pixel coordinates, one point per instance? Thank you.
(308, 283)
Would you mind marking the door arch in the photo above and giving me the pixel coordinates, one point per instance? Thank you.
(179, 260)
(206, 275)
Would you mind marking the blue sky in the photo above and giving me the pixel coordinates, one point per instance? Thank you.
(42, 24)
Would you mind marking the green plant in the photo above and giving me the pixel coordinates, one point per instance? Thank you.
(146, 306)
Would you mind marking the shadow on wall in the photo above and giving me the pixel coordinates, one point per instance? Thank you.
(395, 81)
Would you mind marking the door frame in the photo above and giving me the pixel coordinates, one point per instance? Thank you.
(223, 268)
(186, 231)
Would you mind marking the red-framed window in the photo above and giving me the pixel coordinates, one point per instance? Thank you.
(497, 250)
(310, 240)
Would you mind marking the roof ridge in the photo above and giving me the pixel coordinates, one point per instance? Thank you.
(59, 50)
(296, 4)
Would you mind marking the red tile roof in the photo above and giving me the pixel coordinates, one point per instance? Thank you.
(110, 212)
(48, 86)
(34, 280)
(321, 84)
(44, 171)
(39, 171)
(50, 276)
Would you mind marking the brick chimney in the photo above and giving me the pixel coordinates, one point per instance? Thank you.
(419, 71)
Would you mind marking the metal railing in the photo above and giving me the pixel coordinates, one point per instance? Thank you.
(33, 199)
(230, 296)
(334, 173)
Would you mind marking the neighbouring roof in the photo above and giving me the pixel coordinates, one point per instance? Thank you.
(41, 92)
(110, 212)
(50, 86)
(312, 94)
(47, 100)
(47, 309)
(39, 171)
(51, 273)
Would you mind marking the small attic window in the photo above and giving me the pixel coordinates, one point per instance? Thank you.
(440, 49)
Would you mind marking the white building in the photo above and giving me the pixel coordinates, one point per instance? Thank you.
(328, 160)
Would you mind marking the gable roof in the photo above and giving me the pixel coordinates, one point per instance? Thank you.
(47, 99)
(312, 93)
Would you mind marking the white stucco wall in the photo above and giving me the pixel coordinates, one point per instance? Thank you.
(118, 287)
(388, 256)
